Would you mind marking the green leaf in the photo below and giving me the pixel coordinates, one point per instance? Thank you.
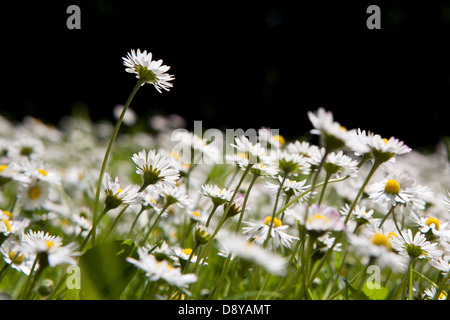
(360, 295)
(380, 293)
(104, 270)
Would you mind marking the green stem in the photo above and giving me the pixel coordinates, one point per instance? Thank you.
(108, 151)
(266, 242)
(154, 223)
(327, 178)
(94, 226)
(215, 206)
(375, 166)
(410, 291)
(245, 201)
(115, 221)
(135, 221)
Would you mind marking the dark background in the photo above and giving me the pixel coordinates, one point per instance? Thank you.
(236, 65)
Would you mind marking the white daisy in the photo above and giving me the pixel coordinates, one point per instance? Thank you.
(238, 246)
(415, 247)
(303, 148)
(148, 70)
(217, 195)
(360, 214)
(441, 264)
(383, 150)
(289, 188)
(253, 152)
(396, 189)
(376, 244)
(332, 134)
(155, 169)
(16, 227)
(322, 219)
(51, 246)
(34, 194)
(15, 253)
(116, 196)
(337, 164)
(431, 224)
(260, 231)
(174, 195)
(156, 270)
(430, 293)
(292, 163)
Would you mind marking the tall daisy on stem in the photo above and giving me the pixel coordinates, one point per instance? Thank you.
(147, 71)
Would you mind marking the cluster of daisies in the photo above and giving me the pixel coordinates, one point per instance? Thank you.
(266, 219)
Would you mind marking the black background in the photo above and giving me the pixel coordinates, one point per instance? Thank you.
(236, 64)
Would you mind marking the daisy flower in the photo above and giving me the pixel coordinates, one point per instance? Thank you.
(16, 227)
(51, 247)
(253, 152)
(337, 164)
(303, 148)
(415, 247)
(156, 270)
(174, 195)
(431, 292)
(26, 147)
(217, 195)
(260, 231)
(332, 134)
(289, 188)
(155, 169)
(440, 264)
(17, 256)
(431, 224)
(116, 196)
(259, 168)
(292, 163)
(34, 194)
(323, 219)
(238, 246)
(393, 190)
(376, 244)
(383, 149)
(360, 214)
(148, 70)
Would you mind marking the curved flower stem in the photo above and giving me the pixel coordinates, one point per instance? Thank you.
(108, 151)
(94, 226)
(215, 206)
(154, 223)
(135, 221)
(245, 201)
(266, 242)
(115, 221)
(325, 184)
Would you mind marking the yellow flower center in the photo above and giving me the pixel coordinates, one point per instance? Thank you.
(381, 240)
(318, 217)
(280, 139)
(43, 172)
(7, 225)
(242, 155)
(8, 214)
(34, 193)
(392, 187)
(18, 259)
(175, 155)
(434, 221)
(3, 167)
(276, 222)
(49, 244)
(196, 214)
(187, 251)
(392, 234)
(385, 140)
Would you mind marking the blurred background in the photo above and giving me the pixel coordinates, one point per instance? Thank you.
(236, 64)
